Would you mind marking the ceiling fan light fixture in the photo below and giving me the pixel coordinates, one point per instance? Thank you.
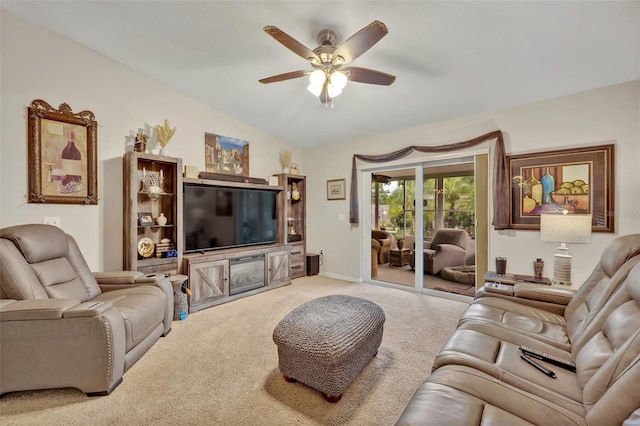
(315, 90)
(333, 90)
(329, 78)
(317, 78)
(338, 80)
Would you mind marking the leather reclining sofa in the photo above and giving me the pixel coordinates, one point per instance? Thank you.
(479, 377)
(63, 326)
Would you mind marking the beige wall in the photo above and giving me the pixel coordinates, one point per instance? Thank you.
(40, 64)
(589, 118)
(37, 63)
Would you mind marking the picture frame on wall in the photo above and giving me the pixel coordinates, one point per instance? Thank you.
(62, 155)
(576, 181)
(226, 155)
(336, 189)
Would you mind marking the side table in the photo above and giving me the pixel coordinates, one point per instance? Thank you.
(399, 257)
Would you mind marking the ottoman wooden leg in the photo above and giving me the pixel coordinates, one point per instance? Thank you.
(331, 398)
(289, 379)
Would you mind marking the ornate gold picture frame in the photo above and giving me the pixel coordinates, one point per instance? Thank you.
(62, 155)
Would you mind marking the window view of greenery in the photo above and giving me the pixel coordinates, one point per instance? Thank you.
(448, 203)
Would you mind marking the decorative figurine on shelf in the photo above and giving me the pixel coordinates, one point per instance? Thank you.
(295, 194)
(164, 134)
(293, 169)
(141, 141)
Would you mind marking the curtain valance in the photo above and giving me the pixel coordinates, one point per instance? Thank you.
(501, 182)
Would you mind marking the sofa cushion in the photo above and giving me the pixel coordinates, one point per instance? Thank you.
(458, 395)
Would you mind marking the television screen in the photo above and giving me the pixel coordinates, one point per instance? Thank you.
(220, 217)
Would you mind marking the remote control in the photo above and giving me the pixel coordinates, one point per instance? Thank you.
(545, 370)
(560, 362)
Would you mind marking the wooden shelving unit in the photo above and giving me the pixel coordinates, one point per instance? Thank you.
(141, 173)
(292, 226)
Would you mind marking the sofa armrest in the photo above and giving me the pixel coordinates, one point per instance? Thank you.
(110, 281)
(559, 295)
(36, 309)
(443, 255)
(88, 309)
(508, 294)
(126, 277)
(46, 309)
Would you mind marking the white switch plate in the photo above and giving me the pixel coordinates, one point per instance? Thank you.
(341, 218)
(51, 220)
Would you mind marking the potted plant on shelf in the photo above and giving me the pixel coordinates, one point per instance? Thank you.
(400, 243)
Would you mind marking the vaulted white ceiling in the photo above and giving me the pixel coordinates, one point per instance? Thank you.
(451, 58)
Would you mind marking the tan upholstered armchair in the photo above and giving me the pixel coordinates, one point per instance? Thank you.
(61, 326)
(387, 242)
(448, 248)
(375, 251)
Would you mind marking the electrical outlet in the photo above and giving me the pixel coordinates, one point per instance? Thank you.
(51, 220)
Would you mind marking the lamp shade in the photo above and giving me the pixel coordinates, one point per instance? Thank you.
(565, 228)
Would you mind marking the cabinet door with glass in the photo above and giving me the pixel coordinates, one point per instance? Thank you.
(152, 213)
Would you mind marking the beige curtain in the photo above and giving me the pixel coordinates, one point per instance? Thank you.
(501, 186)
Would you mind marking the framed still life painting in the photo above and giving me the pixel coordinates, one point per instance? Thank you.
(62, 149)
(576, 181)
(226, 155)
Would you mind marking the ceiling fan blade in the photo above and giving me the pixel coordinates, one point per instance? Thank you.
(283, 77)
(291, 43)
(381, 178)
(365, 75)
(360, 42)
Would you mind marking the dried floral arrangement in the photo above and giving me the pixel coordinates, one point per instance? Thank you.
(285, 158)
(165, 133)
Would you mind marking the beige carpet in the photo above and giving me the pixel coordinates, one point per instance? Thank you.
(220, 367)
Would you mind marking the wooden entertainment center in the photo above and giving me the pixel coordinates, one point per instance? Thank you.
(215, 276)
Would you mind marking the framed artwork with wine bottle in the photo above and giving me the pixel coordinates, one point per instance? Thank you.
(62, 155)
(572, 181)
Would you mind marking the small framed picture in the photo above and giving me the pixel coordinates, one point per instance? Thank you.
(145, 219)
(336, 189)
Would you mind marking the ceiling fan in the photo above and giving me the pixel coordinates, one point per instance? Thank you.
(330, 75)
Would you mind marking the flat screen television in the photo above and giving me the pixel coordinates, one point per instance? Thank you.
(222, 217)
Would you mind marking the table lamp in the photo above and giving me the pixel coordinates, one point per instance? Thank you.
(564, 228)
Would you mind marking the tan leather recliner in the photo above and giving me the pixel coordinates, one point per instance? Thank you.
(61, 326)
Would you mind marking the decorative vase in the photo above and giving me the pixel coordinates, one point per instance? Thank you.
(285, 170)
(164, 151)
(400, 245)
(533, 189)
(548, 186)
(161, 220)
(538, 266)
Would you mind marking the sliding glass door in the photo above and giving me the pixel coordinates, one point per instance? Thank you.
(446, 193)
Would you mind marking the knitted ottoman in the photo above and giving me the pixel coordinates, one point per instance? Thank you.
(325, 343)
